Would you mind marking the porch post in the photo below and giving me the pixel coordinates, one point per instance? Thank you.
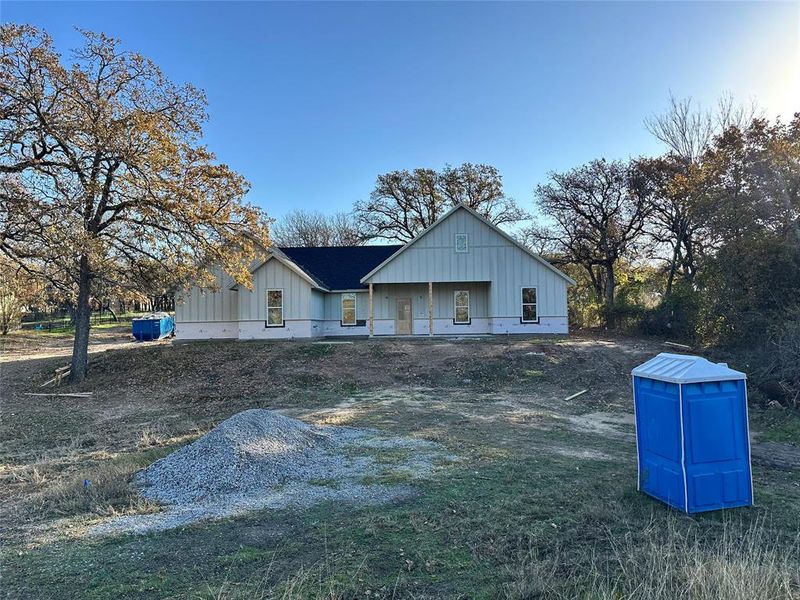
(371, 313)
(430, 308)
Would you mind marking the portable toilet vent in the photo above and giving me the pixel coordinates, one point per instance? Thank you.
(692, 433)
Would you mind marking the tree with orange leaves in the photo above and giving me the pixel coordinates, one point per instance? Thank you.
(104, 180)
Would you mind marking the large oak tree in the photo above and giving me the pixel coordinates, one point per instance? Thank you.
(404, 203)
(596, 216)
(105, 181)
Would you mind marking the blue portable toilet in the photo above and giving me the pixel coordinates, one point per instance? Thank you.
(692, 433)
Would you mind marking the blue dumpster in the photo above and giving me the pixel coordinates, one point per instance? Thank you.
(692, 433)
(152, 327)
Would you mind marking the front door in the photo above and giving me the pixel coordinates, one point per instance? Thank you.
(402, 323)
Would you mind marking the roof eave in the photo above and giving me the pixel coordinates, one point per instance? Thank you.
(275, 253)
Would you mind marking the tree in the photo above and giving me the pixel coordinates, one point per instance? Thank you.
(676, 221)
(751, 280)
(677, 179)
(688, 130)
(404, 203)
(17, 291)
(311, 228)
(104, 177)
(599, 211)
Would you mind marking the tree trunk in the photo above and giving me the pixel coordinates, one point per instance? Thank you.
(673, 268)
(610, 286)
(83, 311)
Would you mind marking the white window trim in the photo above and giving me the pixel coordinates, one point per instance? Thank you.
(266, 300)
(522, 304)
(455, 308)
(347, 295)
(466, 243)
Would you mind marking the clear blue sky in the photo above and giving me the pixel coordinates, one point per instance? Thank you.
(311, 101)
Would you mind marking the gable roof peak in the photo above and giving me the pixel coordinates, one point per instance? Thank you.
(485, 221)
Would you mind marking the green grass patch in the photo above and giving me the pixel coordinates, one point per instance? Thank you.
(780, 426)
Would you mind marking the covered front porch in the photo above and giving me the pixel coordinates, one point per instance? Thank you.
(433, 308)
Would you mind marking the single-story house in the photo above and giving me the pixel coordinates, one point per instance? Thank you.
(462, 275)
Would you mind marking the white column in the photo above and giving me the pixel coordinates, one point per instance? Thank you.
(430, 308)
(371, 314)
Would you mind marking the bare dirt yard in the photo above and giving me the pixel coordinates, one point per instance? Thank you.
(532, 496)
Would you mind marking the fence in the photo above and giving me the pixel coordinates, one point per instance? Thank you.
(63, 318)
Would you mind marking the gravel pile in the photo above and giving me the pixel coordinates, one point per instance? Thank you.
(259, 459)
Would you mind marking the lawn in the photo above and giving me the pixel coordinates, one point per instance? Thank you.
(541, 503)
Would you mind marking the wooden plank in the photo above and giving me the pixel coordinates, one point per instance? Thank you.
(70, 395)
(677, 345)
(581, 393)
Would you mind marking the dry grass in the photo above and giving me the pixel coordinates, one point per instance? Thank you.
(534, 476)
(668, 561)
(102, 489)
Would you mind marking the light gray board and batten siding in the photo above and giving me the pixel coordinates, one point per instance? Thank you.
(385, 299)
(201, 306)
(330, 308)
(273, 274)
(490, 257)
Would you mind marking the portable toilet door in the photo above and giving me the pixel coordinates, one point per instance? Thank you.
(692, 433)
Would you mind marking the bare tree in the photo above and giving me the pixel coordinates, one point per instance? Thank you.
(687, 129)
(404, 203)
(676, 180)
(599, 214)
(313, 228)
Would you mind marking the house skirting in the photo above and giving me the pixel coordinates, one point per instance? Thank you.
(207, 330)
(291, 328)
(501, 325)
(308, 328)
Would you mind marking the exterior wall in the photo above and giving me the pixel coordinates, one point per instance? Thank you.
(490, 258)
(333, 306)
(275, 275)
(385, 300)
(205, 306)
(329, 315)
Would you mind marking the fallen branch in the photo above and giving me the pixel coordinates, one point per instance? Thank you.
(581, 393)
(677, 345)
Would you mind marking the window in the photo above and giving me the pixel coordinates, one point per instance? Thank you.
(462, 308)
(348, 309)
(529, 312)
(462, 243)
(274, 308)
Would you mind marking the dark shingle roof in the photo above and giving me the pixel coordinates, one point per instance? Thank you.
(339, 267)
